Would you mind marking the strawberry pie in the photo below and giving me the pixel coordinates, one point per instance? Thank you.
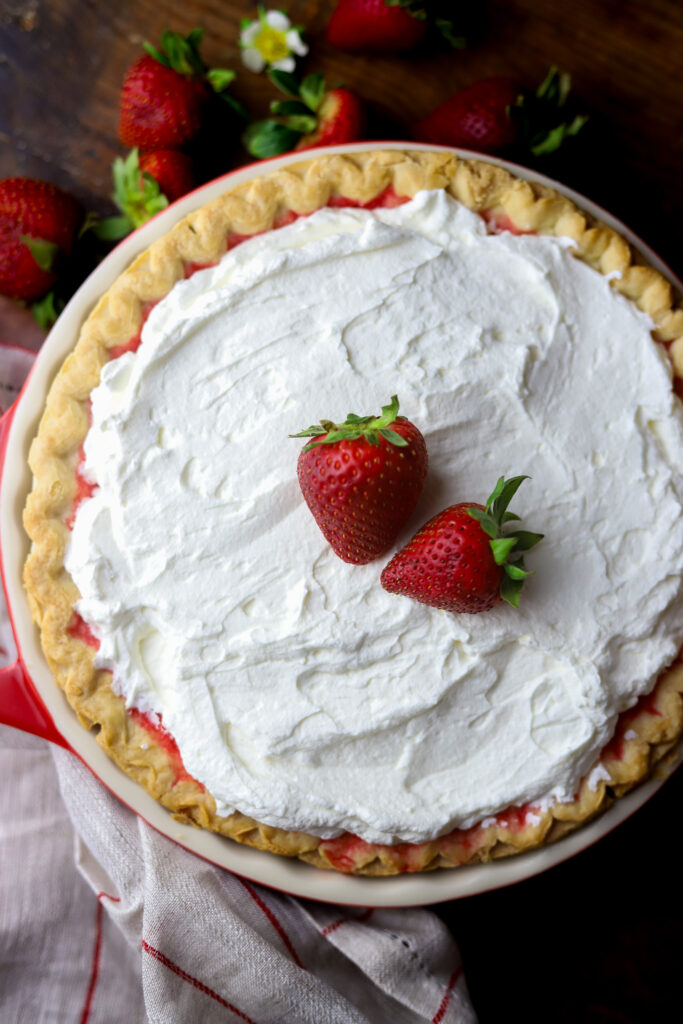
(255, 682)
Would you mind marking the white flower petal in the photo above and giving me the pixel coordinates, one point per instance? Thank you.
(253, 60)
(248, 34)
(286, 64)
(296, 43)
(278, 21)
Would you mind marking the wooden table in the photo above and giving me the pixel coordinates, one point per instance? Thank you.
(596, 939)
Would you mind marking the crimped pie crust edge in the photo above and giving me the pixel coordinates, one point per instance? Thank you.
(201, 238)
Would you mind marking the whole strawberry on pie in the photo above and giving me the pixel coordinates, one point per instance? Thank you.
(361, 480)
(462, 560)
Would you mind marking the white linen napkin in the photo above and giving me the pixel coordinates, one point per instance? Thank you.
(103, 920)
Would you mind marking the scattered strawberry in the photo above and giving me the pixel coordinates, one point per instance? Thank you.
(313, 116)
(38, 224)
(136, 193)
(361, 480)
(458, 561)
(376, 25)
(492, 115)
(165, 92)
(390, 26)
(172, 171)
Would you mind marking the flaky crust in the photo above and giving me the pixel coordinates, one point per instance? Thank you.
(202, 238)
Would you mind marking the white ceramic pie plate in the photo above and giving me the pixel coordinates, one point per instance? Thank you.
(50, 715)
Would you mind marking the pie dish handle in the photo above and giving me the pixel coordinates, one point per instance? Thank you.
(20, 705)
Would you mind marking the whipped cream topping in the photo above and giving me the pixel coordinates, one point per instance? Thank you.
(297, 690)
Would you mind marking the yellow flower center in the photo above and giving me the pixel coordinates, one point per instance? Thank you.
(271, 44)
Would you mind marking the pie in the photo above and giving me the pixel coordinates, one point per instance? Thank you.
(192, 612)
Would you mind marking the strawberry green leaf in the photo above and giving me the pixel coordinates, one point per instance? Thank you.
(487, 523)
(157, 54)
(269, 138)
(236, 106)
(44, 253)
(286, 107)
(525, 539)
(447, 29)
(304, 124)
(392, 437)
(555, 87)
(505, 496)
(501, 548)
(507, 517)
(510, 590)
(414, 7)
(47, 309)
(220, 78)
(112, 229)
(552, 140)
(136, 193)
(500, 483)
(312, 91)
(541, 118)
(515, 571)
(285, 82)
(179, 53)
(369, 427)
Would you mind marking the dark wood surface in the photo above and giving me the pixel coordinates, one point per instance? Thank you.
(597, 939)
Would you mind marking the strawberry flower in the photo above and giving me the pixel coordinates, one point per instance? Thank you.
(271, 41)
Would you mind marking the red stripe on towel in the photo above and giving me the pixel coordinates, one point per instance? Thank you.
(345, 920)
(164, 960)
(274, 921)
(440, 1013)
(95, 968)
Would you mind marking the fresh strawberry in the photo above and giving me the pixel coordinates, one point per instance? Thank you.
(391, 26)
(494, 114)
(361, 480)
(172, 171)
(376, 25)
(458, 561)
(165, 92)
(160, 108)
(341, 118)
(474, 118)
(38, 223)
(313, 116)
(137, 194)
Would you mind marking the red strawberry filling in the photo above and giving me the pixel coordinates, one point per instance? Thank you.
(79, 629)
(647, 704)
(163, 739)
(498, 222)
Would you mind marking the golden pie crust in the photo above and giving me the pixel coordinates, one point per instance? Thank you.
(645, 736)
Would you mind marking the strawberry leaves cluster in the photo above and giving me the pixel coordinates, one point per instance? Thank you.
(541, 119)
(370, 428)
(313, 115)
(504, 546)
(296, 116)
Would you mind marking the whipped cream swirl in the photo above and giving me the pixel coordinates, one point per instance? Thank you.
(297, 690)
